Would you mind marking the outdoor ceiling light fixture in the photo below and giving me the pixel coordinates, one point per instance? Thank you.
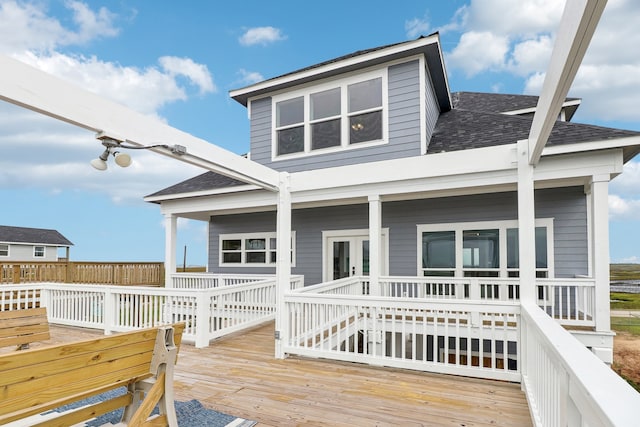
(112, 147)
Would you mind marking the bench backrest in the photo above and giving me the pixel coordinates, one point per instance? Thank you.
(37, 380)
(20, 327)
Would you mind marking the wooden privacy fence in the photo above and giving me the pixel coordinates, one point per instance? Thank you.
(105, 273)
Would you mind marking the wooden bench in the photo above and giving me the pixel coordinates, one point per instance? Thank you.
(41, 379)
(22, 327)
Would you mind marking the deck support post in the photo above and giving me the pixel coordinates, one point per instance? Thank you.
(600, 244)
(283, 261)
(375, 244)
(526, 224)
(170, 233)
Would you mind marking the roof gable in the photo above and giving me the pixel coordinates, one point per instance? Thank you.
(9, 234)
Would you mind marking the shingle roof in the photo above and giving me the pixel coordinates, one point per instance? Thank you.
(461, 129)
(10, 234)
(499, 102)
(205, 181)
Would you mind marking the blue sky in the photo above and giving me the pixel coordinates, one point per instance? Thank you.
(178, 61)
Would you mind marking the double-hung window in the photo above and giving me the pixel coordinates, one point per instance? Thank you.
(4, 250)
(38, 251)
(333, 116)
(251, 249)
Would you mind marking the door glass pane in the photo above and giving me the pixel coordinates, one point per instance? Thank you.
(365, 257)
(341, 261)
(325, 104)
(480, 249)
(365, 95)
(439, 249)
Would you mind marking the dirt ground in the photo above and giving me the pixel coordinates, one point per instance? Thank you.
(626, 355)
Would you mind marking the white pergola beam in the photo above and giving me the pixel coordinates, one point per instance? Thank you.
(576, 29)
(38, 91)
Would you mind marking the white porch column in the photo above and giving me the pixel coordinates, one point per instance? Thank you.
(375, 244)
(526, 224)
(283, 261)
(600, 249)
(170, 232)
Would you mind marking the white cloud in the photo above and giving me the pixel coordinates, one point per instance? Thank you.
(91, 24)
(25, 26)
(479, 51)
(249, 77)
(198, 74)
(623, 209)
(261, 35)
(417, 27)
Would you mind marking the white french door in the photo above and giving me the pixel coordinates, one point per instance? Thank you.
(347, 254)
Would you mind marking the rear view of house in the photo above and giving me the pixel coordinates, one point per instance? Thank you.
(393, 175)
(26, 244)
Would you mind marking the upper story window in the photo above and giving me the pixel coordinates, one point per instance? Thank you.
(38, 251)
(4, 250)
(331, 117)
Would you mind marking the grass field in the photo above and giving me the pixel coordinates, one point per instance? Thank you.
(624, 271)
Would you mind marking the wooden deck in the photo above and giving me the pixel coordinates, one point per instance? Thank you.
(238, 375)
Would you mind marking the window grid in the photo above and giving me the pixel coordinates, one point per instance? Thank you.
(251, 250)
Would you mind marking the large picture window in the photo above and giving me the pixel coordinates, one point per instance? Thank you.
(251, 249)
(333, 116)
(480, 249)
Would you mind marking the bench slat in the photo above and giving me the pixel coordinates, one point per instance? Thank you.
(18, 327)
(75, 416)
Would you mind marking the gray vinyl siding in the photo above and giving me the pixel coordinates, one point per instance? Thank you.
(566, 206)
(403, 127)
(20, 252)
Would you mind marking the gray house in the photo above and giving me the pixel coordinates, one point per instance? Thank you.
(27, 244)
(392, 174)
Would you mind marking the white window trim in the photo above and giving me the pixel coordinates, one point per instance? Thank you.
(459, 227)
(343, 83)
(8, 250)
(260, 235)
(44, 251)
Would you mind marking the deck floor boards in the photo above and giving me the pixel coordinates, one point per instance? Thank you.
(239, 375)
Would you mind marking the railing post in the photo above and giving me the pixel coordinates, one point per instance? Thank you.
(16, 273)
(203, 314)
(111, 309)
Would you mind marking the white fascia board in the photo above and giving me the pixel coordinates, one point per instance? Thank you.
(193, 194)
(38, 91)
(233, 202)
(472, 161)
(581, 147)
(314, 71)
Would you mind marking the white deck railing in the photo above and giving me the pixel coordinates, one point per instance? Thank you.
(565, 383)
(569, 301)
(207, 313)
(339, 321)
(211, 280)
